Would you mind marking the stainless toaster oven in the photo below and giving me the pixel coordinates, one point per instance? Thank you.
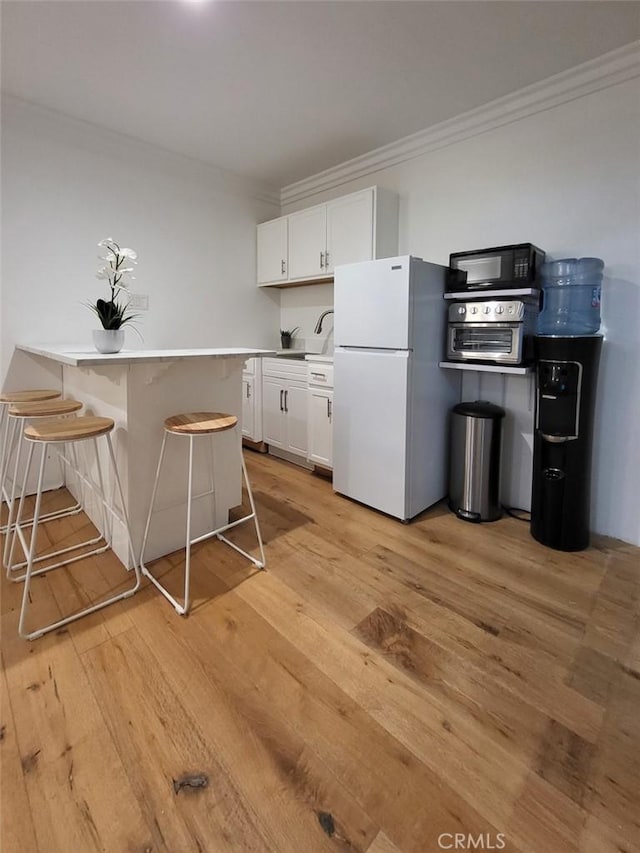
(499, 331)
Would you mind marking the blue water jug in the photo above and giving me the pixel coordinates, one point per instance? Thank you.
(571, 290)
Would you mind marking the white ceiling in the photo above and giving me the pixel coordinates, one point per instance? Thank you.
(282, 90)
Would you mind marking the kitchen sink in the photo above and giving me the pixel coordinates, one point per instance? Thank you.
(291, 353)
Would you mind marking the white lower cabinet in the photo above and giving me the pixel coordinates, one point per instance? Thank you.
(320, 413)
(297, 408)
(320, 427)
(284, 405)
(252, 400)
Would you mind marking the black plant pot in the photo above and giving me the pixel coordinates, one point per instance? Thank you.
(285, 340)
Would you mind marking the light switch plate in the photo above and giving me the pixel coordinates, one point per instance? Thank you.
(139, 301)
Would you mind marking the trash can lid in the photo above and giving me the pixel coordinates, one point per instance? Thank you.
(479, 409)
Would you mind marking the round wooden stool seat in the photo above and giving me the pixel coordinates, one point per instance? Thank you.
(199, 423)
(76, 429)
(45, 409)
(28, 396)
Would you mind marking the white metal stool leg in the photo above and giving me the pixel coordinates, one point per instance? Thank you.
(187, 562)
(8, 445)
(183, 608)
(30, 547)
(9, 496)
(4, 437)
(252, 515)
(11, 536)
(14, 445)
(88, 543)
(6, 401)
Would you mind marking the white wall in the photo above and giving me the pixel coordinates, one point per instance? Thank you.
(67, 184)
(302, 307)
(566, 179)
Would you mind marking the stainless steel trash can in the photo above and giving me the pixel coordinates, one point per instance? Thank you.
(474, 462)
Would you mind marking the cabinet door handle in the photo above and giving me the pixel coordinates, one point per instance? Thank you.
(326, 260)
(329, 409)
(248, 391)
(283, 267)
(321, 260)
(286, 407)
(281, 407)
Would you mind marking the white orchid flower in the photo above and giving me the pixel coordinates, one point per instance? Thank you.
(116, 269)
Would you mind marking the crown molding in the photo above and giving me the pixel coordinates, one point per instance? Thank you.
(86, 135)
(600, 73)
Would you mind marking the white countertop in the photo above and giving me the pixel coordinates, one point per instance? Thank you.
(86, 356)
(325, 359)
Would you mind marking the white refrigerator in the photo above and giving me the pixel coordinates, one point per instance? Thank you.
(391, 400)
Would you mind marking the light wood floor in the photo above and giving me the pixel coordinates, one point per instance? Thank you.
(380, 687)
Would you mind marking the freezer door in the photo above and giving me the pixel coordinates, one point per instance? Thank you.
(370, 427)
(372, 304)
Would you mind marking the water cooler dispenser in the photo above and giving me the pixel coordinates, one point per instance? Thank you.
(567, 370)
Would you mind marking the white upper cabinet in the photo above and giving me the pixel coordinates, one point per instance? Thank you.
(273, 251)
(349, 230)
(308, 242)
(360, 226)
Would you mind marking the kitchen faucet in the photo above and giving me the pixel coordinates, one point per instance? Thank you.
(318, 327)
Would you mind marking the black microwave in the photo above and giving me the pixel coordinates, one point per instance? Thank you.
(503, 267)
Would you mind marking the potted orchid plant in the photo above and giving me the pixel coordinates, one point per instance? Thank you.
(114, 312)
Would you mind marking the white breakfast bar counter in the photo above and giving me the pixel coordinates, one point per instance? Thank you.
(139, 389)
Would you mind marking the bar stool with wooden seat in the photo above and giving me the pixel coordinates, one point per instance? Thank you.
(18, 415)
(51, 435)
(193, 425)
(10, 398)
